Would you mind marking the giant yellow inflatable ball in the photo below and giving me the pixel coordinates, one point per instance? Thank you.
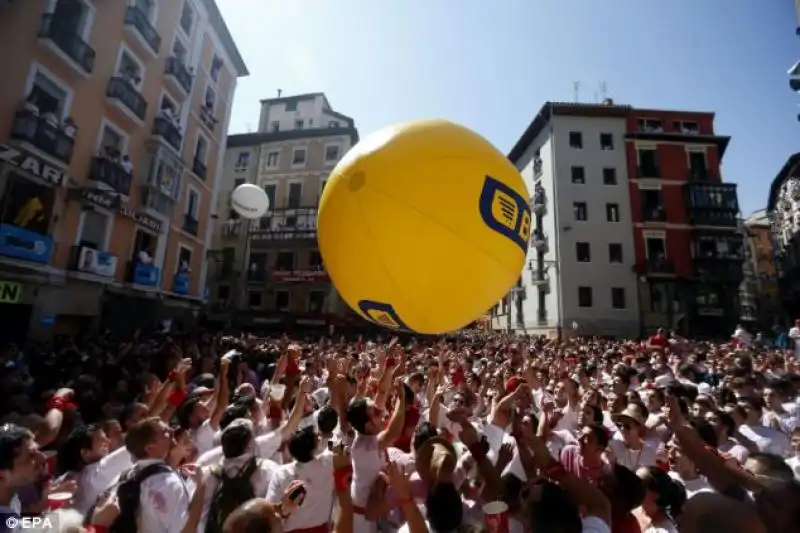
(423, 226)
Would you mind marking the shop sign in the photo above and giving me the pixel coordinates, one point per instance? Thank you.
(10, 292)
(299, 276)
(33, 165)
(112, 201)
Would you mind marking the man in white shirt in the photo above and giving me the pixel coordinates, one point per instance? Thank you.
(794, 334)
(767, 439)
(21, 464)
(164, 503)
(202, 418)
(316, 474)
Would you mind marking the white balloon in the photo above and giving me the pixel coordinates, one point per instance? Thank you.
(250, 200)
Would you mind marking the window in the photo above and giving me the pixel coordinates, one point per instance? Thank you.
(298, 124)
(333, 124)
(583, 252)
(168, 105)
(615, 252)
(270, 189)
(223, 293)
(211, 98)
(282, 301)
(275, 126)
(291, 105)
(697, 165)
(255, 298)
(579, 211)
(285, 261)
(48, 96)
(576, 140)
(111, 141)
(316, 301)
(73, 16)
(612, 212)
(299, 157)
(648, 162)
(130, 69)
(290, 222)
(618, 297)
(216, 67)
(192, 203)
(578, 175)
(606, 141)
(184, 258)
(258, 262)
(243, 161)
(201, 150)
(584, 296)
(609, 176)
(331, 153)
(272, 159)
(93, 230)
(187, 18)
(295, 195)
(148, 7)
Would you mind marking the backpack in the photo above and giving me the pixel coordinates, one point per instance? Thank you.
(232, 491)
(129, 490)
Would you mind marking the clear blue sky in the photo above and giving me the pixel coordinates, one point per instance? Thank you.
(490, 64)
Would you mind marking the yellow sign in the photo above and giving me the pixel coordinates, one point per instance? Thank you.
(10, 292)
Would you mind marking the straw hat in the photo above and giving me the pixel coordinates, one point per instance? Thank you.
(435, 460)
(631, 413)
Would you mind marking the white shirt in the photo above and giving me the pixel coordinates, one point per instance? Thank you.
(95, 478)
(367, 463)
(266, 446)
(692, 486)
(260, 480)
(794, 334)
(633, 459)
(204, 437)
(592, 524)
(767, 439)
(164, 502)
(317, 476)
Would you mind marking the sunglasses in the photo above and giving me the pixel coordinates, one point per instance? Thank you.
(624, 426)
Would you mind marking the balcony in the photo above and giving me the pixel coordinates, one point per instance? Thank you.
(190, 224)
(207, 117)
(26, 245)
(539, 279)
(177, 72)
(108, 174)
(124, 95)
(648, 171)
(65, 42)
(539, 205)
(137, 22)
(143, 275)
(181, 283)
(539, 241)
(91, 261)
(655, 267)
(227, 273)
(537, 167)
(199, 168)
(42, 135)
(712, 204)
(725, 269)
(231, 228)
(170, 133)
(654, 214)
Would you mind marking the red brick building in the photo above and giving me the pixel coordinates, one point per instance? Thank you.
(689, 250)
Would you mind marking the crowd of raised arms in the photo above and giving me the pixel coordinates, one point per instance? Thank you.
(477, 431)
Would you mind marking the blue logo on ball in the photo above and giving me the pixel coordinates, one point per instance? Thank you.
(382, 314)
(506, 212)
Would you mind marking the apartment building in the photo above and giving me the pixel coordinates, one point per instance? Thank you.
(111, 133)
(633, 227)
(579, 276)
(270, 272)
(689, 250)
(783, 211)
(760, 298)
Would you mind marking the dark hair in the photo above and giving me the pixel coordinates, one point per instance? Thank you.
(234, 440)
(555, 512)
(444, 508)
(185, 411)
(424, 431)
(706, 432)
(774, 465)
(12, 439)
(70, 458)
(670, 494)
(600, 435)
(302, 444)
(233, 412)
(358, 414)
(327, 419)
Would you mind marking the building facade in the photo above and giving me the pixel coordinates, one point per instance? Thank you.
(269, 271)
(579, 276)
(762, 296)
(111, 134)
(783, 210)
(633, 228)
(689, 251)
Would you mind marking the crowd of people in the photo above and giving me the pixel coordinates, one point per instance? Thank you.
(477, 431)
